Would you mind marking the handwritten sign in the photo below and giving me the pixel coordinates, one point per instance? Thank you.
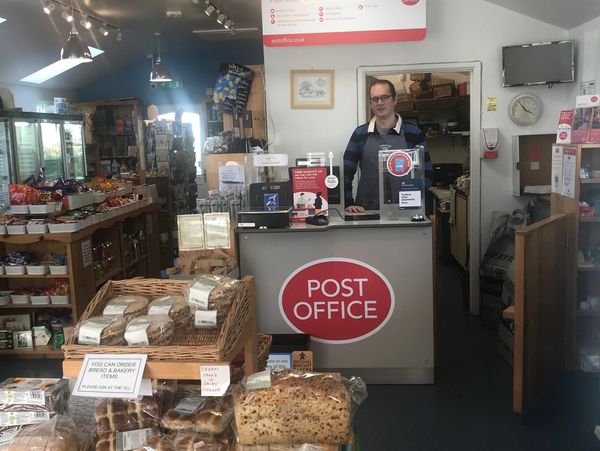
(110, 376)
(214, 380)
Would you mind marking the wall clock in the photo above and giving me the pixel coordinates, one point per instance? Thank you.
(525, 109)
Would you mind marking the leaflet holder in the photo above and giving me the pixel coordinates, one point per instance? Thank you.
(401, 183)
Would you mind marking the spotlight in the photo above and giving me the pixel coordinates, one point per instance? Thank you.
(119, 36)
(209, 9)
(67, 16)
(85, 23)
(221, 17)
(103, 30)
(48, 7)
(228, 24)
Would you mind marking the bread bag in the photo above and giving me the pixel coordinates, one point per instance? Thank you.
(126, 305)
(155, 330)
(56, 434)
(213, 294)
(118, 415)
(175, 306)
(207, 415)
(101, 330)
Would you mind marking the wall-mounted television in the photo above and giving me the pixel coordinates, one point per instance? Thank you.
(538, 63)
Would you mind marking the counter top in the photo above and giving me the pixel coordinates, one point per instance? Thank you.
(338, 223)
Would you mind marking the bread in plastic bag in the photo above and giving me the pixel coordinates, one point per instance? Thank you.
(213, 293)
(176, 307)
(164, 392)
(118, 415)
(303, 447)
(126, 305)
(154, 330)
(296, 408)
(208, 415)
(192, 441)
(53, 394)
(56, 434)
(112, 442)
(101, 331)
(158, 443)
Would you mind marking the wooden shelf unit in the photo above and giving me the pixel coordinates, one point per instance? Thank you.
(581, 281)
(80, 274)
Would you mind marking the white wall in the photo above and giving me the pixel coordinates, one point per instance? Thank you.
(28, 96)
(587, 37)
(461, 30)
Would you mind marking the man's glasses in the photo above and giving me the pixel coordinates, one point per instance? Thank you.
(381, 99)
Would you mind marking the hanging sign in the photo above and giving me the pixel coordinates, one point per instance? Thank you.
(314, 22)
(336, 300)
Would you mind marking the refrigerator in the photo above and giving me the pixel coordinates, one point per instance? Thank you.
(33, 141)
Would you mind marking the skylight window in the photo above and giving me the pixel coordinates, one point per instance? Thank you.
(2, 19)
(57, 68)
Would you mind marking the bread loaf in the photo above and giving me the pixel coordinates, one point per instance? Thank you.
(102, 330)
(155, 330)
(303, 447)
(57, 434)
(176, 307)
(204, 415)
(164, 393)
(126, 305)
(53, 394)
(111, 442)
(296, 408)
(192, 441)
(211, 292)
(158, 443)
(117, 415)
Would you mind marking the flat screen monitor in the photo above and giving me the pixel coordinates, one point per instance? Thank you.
(538, 63)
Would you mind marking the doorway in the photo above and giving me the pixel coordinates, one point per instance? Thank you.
(447, 143)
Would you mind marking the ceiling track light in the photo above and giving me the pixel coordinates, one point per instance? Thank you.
(67, 16)
(103, 30)
(86, 21)
(119, 37)
(210, 8)
(228, 24)
(221, 17)
(48, 7)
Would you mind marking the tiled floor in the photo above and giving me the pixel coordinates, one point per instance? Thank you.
(470, 405)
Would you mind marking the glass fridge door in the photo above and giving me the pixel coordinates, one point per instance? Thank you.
(27, 140)
(74, 150)
(4, 162)
(52, 157)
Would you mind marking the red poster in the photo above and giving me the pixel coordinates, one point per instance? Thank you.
(310, 192)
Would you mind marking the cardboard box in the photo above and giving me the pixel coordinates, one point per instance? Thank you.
(446, 90)
(565, 125)
(587, 101)
(420, 77)
(41, 336)
(421, 90)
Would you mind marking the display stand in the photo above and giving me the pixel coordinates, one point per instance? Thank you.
(190, 349)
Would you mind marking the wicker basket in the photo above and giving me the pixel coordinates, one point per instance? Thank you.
(188, 345)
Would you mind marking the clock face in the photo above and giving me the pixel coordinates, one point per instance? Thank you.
(525, 109)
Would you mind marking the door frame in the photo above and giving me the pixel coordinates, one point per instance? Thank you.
(474, 70)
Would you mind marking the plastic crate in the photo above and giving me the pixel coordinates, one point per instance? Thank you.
(16, 229)
(14, 270)
(67, 227)
(61, 300)
(40, 300)
(42, 209)
(5, 297)
(75, 201)
(58, 269)
(37, 228)
(19, 209)
(20, 298)
(39, 270)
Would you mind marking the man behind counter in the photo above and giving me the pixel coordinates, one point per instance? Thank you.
(385, 131)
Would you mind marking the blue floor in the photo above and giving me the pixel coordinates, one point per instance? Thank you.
(470, 405)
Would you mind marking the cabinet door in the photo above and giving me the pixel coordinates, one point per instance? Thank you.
(52, 155)
(4, 162)
(74, 150)
(27, 141)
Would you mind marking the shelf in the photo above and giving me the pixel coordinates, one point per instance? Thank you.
(108, 276)
(590, 181)
(588, 268)
(135, 262)
(34, 276)
(34, 306)
(594, 219)
(36, 352)
(586, 146)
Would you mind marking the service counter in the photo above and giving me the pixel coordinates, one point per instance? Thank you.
(363, 290)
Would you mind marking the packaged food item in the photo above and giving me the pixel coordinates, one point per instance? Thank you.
(295, 408)
(213, 293)
(23, 414)
(192, 441)
(56, 434)
(175, 306)
(155, 330)
(119, 415)
(158, 443)
(303, 447)
(207, 415)
(164, 393)
(50, 393)
(128, 306)
(115, 441)
(102, 330)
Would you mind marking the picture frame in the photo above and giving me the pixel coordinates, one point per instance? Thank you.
(312, 89)
(23, 339)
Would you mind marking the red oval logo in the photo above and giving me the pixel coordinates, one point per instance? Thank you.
(399, 163)
(594, 98)
(336, 300)
(410, 2)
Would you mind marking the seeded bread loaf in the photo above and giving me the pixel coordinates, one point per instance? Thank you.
(126, 305)
(102, 330)
(303, 447)
(155, 330)
(118, 415)
(210, 292)
(211, 416)
(297, 408)
(175, 306)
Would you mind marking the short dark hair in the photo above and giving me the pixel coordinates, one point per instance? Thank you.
(387, 83)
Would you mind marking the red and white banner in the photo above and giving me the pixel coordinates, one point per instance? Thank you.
(336, 300)
(330, 22)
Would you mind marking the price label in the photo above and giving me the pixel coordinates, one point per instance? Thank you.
(110, 376)
(214, 380)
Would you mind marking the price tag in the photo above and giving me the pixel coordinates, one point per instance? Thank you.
(127, 441)
(110, 376)
(214, 380)
(259, 380)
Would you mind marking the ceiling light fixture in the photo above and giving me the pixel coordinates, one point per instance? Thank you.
(48, 7)
(103, 30)
(74, 48)
(209, 9)
(56, 68)
(159, 73)
(85, 23)
(221, 17)
(67, 16)
(228, 24)
(119, 37)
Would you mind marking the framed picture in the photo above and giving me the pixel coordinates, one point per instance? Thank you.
(312, 89)
(23, 339)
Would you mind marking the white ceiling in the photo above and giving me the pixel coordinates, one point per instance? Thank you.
(30, 39)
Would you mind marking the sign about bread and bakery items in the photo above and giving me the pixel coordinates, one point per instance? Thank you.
(336, 300)
(289, 23)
